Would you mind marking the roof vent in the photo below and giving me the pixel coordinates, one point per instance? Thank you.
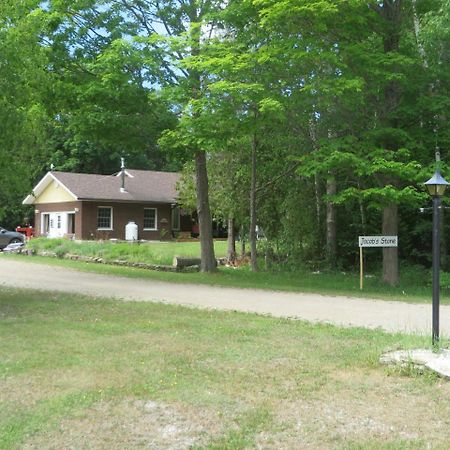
(122, 174)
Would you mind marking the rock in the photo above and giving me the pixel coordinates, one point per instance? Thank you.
(438, 362)
(222, 261)
(191, 269)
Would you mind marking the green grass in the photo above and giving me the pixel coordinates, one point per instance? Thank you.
(150, 252)
(415, 283)
(77, 372)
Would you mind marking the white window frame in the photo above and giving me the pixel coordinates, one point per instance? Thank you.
(178, 209)
(43, 230)
(112, 216)
(156, 220)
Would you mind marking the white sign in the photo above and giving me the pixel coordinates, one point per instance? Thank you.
(378, 241)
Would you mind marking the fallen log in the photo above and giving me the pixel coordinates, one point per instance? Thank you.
(181, 263)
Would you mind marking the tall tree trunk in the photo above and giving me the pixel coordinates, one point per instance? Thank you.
(390, 254)
(391, 12)
(252, 234)
(208, 259)
(317, 193)
(231, 241)
(331, 245)
(242, 232)
(420, 47)
(362, 213)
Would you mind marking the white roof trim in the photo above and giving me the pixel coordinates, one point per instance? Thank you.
(42, 185)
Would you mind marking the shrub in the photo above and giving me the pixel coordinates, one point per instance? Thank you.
(61, 251)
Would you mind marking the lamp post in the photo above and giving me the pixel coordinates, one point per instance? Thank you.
(436, 186)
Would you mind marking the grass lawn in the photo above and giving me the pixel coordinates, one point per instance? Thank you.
(150, 252)
(99, 374)
(415, 283)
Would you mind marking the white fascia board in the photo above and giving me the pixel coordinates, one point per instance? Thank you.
(42, 185)
(38, 189)
(29, 200)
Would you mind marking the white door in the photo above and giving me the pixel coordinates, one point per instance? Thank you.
(58, 225)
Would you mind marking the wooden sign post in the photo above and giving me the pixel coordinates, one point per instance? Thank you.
(373, 241)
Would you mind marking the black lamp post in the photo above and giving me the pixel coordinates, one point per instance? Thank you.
(436, 186)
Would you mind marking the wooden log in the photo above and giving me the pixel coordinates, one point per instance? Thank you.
(180, 262)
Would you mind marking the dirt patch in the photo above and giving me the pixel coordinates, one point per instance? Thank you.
(26, 390)
(365, 411)
(131, 424)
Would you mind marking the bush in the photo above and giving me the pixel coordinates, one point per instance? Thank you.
(61, 251)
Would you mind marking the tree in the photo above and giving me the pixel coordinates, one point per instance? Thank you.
(24, 90)
(316, 85)
(362, 101)
(182, 33)
(104, 105)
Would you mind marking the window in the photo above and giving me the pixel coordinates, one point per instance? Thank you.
(58, 222)
(150, 217)
(45, 227)
(175, 218)
(104, 218)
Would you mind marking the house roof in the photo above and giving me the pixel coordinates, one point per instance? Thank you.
(140, 186)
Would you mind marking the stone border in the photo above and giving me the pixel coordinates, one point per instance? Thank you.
(115, 262)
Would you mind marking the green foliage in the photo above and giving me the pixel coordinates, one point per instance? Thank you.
(354, 91)
(24, 88)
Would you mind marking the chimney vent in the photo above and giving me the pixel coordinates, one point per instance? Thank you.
(122, 174)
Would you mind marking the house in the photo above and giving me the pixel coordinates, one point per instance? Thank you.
(88, 206)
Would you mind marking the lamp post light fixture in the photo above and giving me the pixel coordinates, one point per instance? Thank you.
(436, 187)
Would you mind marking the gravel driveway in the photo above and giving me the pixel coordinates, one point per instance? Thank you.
(338, 310)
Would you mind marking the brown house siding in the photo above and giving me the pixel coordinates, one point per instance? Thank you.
(58, 207)
(86, 219)
(122, 214)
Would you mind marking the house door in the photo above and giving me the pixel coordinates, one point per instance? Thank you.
(71, 223)
(58, 225)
